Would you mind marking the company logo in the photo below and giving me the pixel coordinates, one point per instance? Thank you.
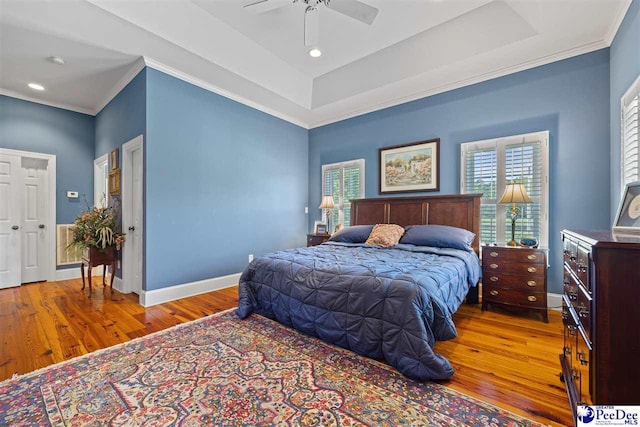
(620, 415)
(586, 414)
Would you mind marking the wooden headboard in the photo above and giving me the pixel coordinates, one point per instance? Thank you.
(457, 210)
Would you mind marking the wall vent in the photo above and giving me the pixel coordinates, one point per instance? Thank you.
(65, 255)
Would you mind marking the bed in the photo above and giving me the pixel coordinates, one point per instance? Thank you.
(386, 303)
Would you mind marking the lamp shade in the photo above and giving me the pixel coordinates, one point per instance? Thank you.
(515, 193)
(327, 202)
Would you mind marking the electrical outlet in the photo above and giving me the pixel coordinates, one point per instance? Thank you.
(250, 257)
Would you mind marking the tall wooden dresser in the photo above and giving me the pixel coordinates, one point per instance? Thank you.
(601, 318)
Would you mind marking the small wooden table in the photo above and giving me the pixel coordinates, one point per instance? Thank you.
(94, 257)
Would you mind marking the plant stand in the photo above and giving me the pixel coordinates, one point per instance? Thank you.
(94, 257)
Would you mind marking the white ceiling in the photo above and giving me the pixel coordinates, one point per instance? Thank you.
(413, 49)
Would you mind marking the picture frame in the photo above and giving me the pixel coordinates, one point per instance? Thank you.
(113, 159)
(321, 228)
(628, 216)
(410, 167)
(114, 182)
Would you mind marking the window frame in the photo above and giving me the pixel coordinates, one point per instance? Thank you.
(339, 204)
(500, 145)
(631, 93)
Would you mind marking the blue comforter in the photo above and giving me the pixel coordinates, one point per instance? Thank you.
(379, 302)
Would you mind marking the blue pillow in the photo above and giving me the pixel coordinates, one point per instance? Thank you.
(353, 234)
(441, 236)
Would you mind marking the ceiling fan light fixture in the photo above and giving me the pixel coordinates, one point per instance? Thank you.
(315, 52)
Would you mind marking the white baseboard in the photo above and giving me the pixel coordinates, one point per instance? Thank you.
(117, 284)
(74, 273)
(554, 301)
(159, 296)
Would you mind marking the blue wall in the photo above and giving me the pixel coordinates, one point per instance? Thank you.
(34, 127)
(625, 69)
(223, 180)
(569, 98)
(123, 118)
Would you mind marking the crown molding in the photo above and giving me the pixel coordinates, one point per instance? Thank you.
(611, 34)
(23, 97)
(156, 65)
(587, 48)
(121, 84)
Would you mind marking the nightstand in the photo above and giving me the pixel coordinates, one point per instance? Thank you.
(515, 277)
(316, 239)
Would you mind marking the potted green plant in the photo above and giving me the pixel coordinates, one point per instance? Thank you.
(98, 230)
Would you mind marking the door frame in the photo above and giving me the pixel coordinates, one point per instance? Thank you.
(50, 259)
(127, 177)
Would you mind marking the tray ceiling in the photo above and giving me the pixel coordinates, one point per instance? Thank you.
(413, 49)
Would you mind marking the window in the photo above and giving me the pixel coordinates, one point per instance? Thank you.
(630, 121)
(488, 166)
(344, 181)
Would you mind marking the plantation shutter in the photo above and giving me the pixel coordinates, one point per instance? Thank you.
(488, 166)
(524, 165)
(480, 172)
(345, 182)
(630, 134)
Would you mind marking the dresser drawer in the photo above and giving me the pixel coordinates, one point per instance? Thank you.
(514, 297)
(491, 254)
(522, 282)
(491, 267)
(582, 266)
(570, 252)
(582, 308)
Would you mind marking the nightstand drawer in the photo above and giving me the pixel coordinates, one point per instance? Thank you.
(514, 297)
(516, 281)
(316, 239)
(525, 268)
(495, 253)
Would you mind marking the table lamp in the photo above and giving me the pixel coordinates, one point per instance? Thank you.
(327, 203)
(514, 193)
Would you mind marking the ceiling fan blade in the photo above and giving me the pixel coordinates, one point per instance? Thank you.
(311, 26)
(354, 9)
(261, 6)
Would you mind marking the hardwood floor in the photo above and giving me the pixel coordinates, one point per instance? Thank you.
(507, 360)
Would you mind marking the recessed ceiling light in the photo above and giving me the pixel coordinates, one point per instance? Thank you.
(57, 60)
(36, 86)
(315, 52)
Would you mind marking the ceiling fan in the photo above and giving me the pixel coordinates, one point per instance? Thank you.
(352, 8)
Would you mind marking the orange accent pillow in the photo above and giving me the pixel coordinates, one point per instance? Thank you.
(385, 235)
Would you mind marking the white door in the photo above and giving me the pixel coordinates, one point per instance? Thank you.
(132, 214)
(136, 215)
(101, 181)
(10, 270)
(34, 219)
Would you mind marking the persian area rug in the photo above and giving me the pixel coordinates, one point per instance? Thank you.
(223, 371)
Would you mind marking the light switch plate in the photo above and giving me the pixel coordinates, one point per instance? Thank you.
(72, 194)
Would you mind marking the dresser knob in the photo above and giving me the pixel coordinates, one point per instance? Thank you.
(532, 298)
(494, 254)
(532, 269)
(494, 293)
(493, 278)
(532, 257)
(494, 266)
(531, 283)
